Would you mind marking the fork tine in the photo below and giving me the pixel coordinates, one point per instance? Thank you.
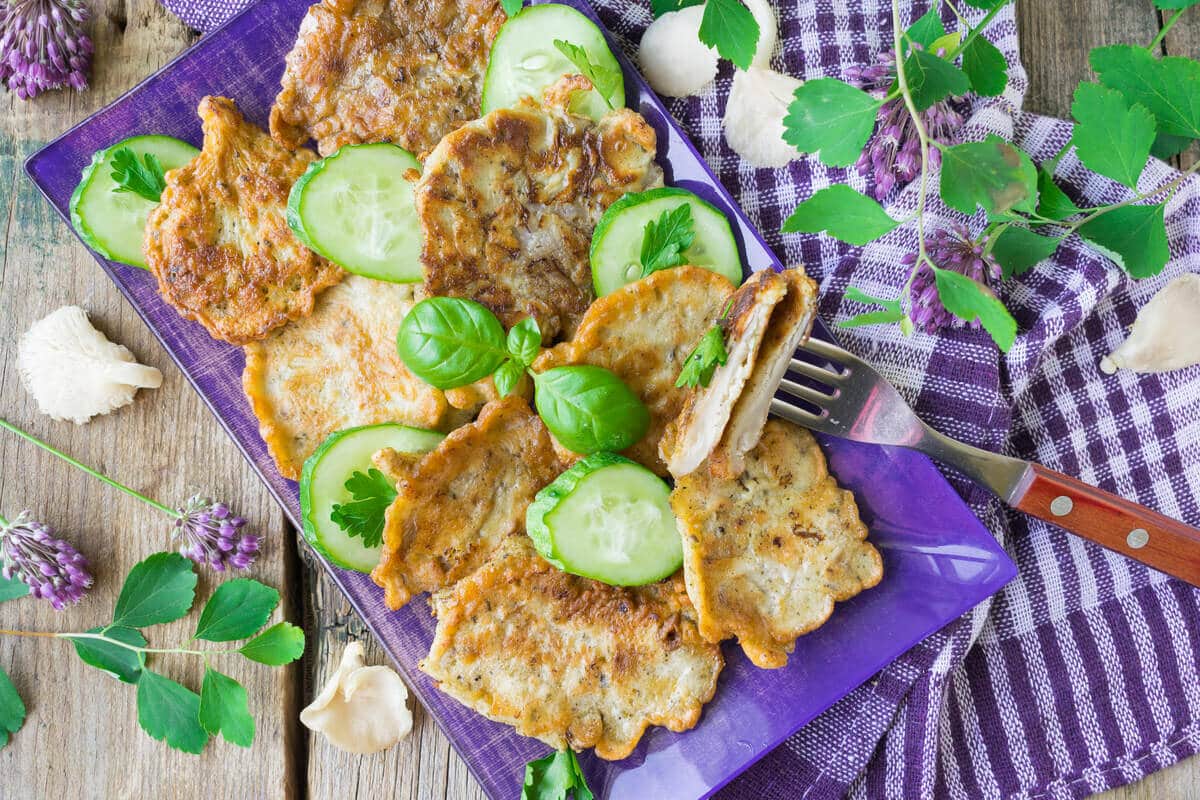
(810, 370)
(826, 350)
(793, 414)
(805, 393)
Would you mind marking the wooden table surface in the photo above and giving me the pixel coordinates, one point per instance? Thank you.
(81, 738)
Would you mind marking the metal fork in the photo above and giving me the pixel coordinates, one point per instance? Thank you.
(856, 402)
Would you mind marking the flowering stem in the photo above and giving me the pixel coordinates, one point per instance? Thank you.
(1170, 23)
(117, 642)
(56, 452)
(970, 37)
(919, 124)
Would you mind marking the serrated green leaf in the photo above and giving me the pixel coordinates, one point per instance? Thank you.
(702, 362)
(371, 495)
(606, 80)
(660, 7)
(120, 662)
(12, 709)
(168, 711)
(843, 213)
(927, 28)
(1053, 202)
(1017, 249)
(728, 26)
(985, 66)
(555, 777)
(832, 119)
(1167, 86)
(1135, 237)
(224, 709)
(279, 644)
(664, 239)
(237, 609)
(511, 7)
(969, 300)
(932, 79)
(944, 45)
(1166, 145)
(992, 174)
(159, 589)
(11, 589)
(1111, 137)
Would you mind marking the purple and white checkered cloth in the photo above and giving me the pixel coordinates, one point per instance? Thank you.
(1084, 673)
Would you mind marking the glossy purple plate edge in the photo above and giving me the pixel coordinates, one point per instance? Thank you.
(660, 761)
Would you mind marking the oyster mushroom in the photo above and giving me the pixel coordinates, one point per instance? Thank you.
(361, 709)
(74, 372)
(674, 60)
(758, 102)
(1164, 336)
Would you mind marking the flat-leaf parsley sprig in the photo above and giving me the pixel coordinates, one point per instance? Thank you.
(162, 589)
(207, 532)
(1142, 105)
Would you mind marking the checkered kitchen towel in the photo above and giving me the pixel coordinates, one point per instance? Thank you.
(1084, 673)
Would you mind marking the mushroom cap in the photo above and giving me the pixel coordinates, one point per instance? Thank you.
(1164, 336)
(361, 709)
(758, 102)
(674, 60)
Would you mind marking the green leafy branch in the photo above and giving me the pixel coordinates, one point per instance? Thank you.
(1141, 106)
(162, 589)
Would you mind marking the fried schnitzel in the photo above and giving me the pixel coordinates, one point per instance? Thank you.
(571, 661)
(219, 243)
(766, 555)
(401, 71)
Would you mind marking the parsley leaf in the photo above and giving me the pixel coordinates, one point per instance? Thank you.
(145, 179)
(702, 362)
(665, 239)
(159, 589)
(511, 7)
(280, 644)
(237, 609)
(12, 709)
(224, 709)
(167, 710)
(605, 80)
(1111, 137)
(843, 213)
(969, 300)
(1134, 237)
(832, 119)
(363, 517)
(729, 26)
(555, 777)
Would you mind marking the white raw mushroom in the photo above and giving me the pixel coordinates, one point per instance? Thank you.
(361, 709)
(1165, 335)
(768, 32)
(754, 115)
(674, 60)
(74, 372)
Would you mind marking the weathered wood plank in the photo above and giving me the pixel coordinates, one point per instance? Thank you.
(81, 738)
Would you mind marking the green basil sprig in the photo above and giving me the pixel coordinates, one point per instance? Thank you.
(589, 409)
(450, 342)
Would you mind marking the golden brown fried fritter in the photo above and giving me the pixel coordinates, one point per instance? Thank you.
(507, 204)
(766, 555)
(463, 498)
(219, 242)
(402, 71)
(337, 369)
(643, 332)
(571, 661)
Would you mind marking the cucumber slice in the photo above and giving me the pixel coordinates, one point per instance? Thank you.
(609, 519)
(114, 223)
(617, 241)
(524, 60)
(322, 485)
(356, 209)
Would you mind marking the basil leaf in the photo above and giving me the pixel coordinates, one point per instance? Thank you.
(508, 376)
(589, 409)
(525, 341)
(449, 342)
(511, 7)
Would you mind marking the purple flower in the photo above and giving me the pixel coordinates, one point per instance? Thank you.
(212, 535)
(893, 155)
(43, 46)
(52, 568)
(955, 250)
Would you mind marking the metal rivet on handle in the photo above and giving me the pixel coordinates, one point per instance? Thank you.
(1137, 538)
(1061, 506)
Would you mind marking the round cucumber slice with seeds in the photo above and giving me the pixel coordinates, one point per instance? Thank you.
(609, 519)
(323, 485)
(617, 241)
(113, 223)
(356, 208)
(524, 61)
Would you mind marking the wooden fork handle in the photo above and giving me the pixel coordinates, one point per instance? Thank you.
(1106, 519)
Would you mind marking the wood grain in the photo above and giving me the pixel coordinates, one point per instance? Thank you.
(83, 722)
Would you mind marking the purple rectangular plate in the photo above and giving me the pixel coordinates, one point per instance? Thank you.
(939, 561)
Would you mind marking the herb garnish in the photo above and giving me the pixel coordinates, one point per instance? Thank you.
(702, 362)
(145, 179)
(363, 517)
(511, 7)
(666, 238)
(729, 26)
(604, 79)
(555, 777)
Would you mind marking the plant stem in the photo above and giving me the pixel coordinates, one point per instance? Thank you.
(1170, 188)
(6, 632)
(983, 23)
(1170, 23)
(134, 647)
(923, 135)
(3, 522)
(56, 452)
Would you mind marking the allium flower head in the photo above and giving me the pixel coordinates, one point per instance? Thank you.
(211, 534)
(43, 46)
(52, 568)
(955, 250)
(893, 155)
